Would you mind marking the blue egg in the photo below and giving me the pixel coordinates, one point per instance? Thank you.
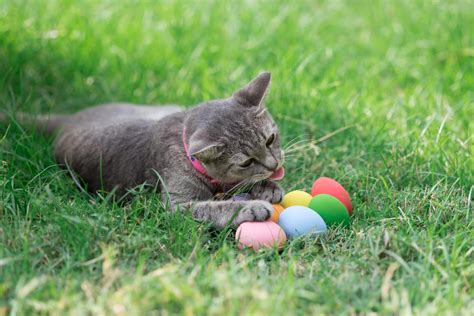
(299, 220)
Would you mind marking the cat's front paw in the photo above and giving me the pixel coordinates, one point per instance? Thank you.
(253, 211)
(267, 191)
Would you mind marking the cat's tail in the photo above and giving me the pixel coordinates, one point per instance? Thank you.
(44, 124)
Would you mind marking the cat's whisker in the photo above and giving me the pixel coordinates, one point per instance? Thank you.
(291, 141)
(310, 144)
(290, 157)
(295, 151)
(294, 144)
(295, 141)
(253, 185)
(248, 183)
(298, 137)
(292, 151)
(235, 188)
(238, 186)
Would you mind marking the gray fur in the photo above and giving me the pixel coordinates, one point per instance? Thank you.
(119, 146)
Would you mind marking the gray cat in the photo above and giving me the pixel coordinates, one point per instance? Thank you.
(189, 155)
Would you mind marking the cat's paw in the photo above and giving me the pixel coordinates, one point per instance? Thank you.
(253, 211)
(267, 191)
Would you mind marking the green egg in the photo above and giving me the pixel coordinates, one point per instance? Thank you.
(330, 209)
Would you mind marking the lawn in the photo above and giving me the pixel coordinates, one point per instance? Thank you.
(377, 94)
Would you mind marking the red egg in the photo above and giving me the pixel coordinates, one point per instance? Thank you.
(331, 187)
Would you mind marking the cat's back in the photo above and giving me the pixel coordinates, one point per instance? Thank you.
(122, 140)
(116, 113)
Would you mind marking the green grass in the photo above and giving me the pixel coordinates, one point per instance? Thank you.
(396, 76)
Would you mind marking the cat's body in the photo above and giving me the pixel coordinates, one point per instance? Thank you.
(116, 147)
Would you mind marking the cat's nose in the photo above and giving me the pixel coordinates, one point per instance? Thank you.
(271, 164)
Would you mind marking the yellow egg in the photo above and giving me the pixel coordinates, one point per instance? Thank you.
(297, 197)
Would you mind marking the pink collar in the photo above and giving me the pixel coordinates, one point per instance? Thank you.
(196, 164)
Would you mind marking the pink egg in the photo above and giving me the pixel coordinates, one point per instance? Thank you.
(260, 234)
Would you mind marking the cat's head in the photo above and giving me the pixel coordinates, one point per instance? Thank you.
(236, 139)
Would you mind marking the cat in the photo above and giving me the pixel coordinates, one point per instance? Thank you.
(188, 155)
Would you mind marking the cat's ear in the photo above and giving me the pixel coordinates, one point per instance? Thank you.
(202, 148)
(255, 91)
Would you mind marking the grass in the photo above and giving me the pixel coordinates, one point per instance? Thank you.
(394, 78)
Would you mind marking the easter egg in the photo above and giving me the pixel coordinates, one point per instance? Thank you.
(277, 209)
(300, 220)
(331, 210)
(260, 234)
(242, 197)
(297, 197)
(330, 186)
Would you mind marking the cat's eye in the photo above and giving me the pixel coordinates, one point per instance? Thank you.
(246, 163)
(270, 140)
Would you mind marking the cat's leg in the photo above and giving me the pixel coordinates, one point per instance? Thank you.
(232, 213)
(191, 196)
(222, 213)
(268, 191)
